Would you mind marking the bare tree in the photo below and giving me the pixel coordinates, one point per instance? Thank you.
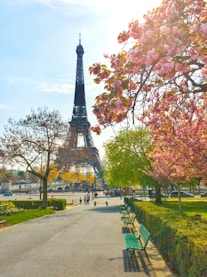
(33, 142)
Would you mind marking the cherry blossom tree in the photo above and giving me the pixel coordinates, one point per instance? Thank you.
(179, 139)
(180, 135)
(165, 55)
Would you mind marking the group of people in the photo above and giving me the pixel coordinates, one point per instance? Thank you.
(86, 199)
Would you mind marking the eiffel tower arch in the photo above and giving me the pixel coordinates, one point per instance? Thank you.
(78, 151)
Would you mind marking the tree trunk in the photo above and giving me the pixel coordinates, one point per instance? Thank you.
(44, 198)
(179, 200)
(158, 194)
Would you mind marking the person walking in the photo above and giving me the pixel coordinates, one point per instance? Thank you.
(85, 199)
(88, 199)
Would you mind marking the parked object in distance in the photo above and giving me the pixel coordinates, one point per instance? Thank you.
(153, 194)
(182, 194)
(50, 190)
(33, 192)
(204, 194)
(8, 193)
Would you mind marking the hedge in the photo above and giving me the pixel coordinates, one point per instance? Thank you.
(56, 204)
(182, 240)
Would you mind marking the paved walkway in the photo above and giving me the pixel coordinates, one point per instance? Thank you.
(85, 240)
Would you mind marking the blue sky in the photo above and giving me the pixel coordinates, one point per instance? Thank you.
(38, 39)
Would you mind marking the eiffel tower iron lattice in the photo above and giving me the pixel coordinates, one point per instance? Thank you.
(79, 150)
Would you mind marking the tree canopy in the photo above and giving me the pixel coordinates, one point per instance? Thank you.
(160, 78)
(33, 143)
(127, 158)
(165, 55)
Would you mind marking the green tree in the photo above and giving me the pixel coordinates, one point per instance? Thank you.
(32, 142)
(127, 159)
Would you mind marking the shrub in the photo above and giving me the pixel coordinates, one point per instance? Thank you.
(59, 204)
(181, 239)
(56, 204)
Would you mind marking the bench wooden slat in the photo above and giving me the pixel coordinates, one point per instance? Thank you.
(129, 220)
(132, 242)
(127, 211)
(144, 233)
(138, 243)
(123, 207)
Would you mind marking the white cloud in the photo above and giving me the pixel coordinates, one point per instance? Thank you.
(57, 87)
(5, 107)
(16, 80)
(116, 8)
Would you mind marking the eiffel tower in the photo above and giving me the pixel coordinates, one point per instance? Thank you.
(79, 151)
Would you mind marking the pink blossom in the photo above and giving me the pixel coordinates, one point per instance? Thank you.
(165, 30)
(166, 68)
(119, 107)
(123, 37)
(116, 84)
(136, 68)
(95, 68)
(120, 117)
(135, 29)
(175, 30)
(203, 28)
(148, 33)
(170, 76)
(134, 59)
(153, 54)
(195, 28)
(169, 48)
(146, 60)
(146, 88)
(131, 85)
(105, 74)
(204, 71)
(181, 68)
(204, 59)
(197, 9)
(203, 14)
(103, 96)
(96, 129)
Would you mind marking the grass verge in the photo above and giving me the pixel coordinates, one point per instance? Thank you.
(26, 215)
(190, 206)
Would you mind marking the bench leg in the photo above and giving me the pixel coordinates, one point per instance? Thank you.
(133, 253)
(147, 257)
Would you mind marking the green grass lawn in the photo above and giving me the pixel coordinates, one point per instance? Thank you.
(190, 206)
(25, 215)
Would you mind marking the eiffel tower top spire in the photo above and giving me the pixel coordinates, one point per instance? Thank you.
(79, 108)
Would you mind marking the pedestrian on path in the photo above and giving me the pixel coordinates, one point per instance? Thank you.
(85, 199)
(88, 199)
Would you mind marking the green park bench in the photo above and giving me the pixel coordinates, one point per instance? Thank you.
(128, 220)
(126, 211)
(139, 243)
(123, 207)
